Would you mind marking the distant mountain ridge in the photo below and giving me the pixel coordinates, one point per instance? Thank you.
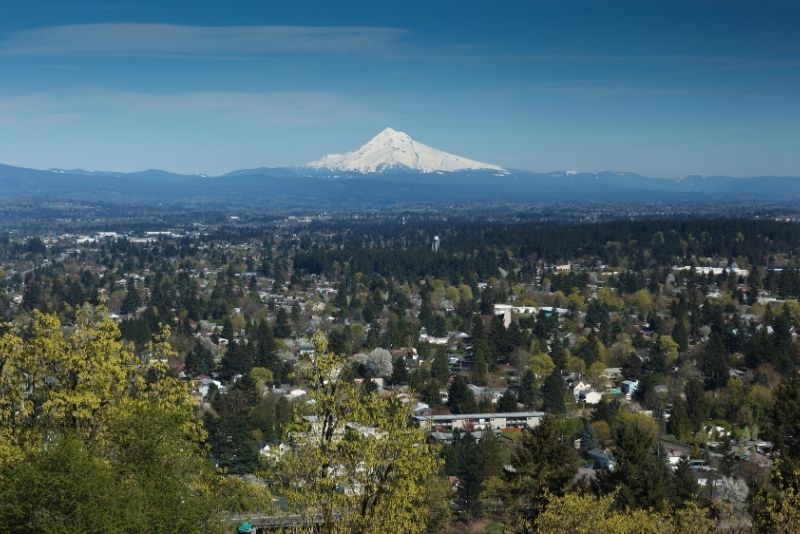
(391, 169)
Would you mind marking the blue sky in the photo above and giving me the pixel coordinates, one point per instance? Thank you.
(665, 88)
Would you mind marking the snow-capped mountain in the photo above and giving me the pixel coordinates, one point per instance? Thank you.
(391, 149)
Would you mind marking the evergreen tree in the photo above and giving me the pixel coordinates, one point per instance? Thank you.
(640, 475)
(399, 371)
(471, 474)
(553, 393)
(199, 361)
(591, 349)
(680, 335)
(605, 411)
(480, 369)
(282, 328)
(131, 301)
(679, 423)
(485, 351)
(459, 398)
(491, 453)
(238, 359)
(264, 341)
(544, 464)
(697, 408)
(784, 424)
(440, 369)
(714, 362)
(507, 402)
(685, 484)
(227, 330)
(527, 389)
(588, 437)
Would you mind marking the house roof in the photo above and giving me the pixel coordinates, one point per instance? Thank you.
(452, 417)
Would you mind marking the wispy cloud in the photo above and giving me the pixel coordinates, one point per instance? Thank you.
(170, 39)
(482, 55)
(89, 105)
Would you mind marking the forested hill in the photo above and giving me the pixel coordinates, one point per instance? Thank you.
(404, 251)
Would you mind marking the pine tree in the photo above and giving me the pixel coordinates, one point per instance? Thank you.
(131, 302)
(544, 465)
(680, 335)
(227, 329)
(199, 361)
(480, 369)
(588, 437)
(486, 352)
(471, 474)
(679, 424)
(784, 419)
(264, 341)
(282, 328)
(696, 404)
(440, 369)
(714, 362)
(553, 393)
(459, 398)
(507, 402)
(684, 483)
(527, 389)
(640, 475)
(399, 371)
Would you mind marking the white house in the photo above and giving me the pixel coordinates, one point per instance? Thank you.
(579, 388)
(590, 397)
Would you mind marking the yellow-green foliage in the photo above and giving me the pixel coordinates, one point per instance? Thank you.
(359, 465)
(93, 434)
(778, 509)
(586, 514)
(80, 382)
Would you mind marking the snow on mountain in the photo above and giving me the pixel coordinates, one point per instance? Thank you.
(391, 149)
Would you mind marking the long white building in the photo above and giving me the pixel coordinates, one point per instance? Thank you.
(479, 421)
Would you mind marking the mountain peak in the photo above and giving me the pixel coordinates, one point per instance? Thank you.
(393, 149)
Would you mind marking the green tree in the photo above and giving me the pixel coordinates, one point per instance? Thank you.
(459, 398)
(588, 437)
(282, 328)
(527, 389)
(553, 393)
(440, 370)
(640, 476)
(399, 371)
(680, 335)
(777, 508)
(471, 474)
(507, 402)
(587, 514)
(591, 349)
(697, 406)
(685, 484)
(542, 366)
(132, 300)
(543, 465)
(714, 362)
(89, 397)
(664, 354)
(784, 425)
(199, 361)
(480, 369)
(356, 460)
